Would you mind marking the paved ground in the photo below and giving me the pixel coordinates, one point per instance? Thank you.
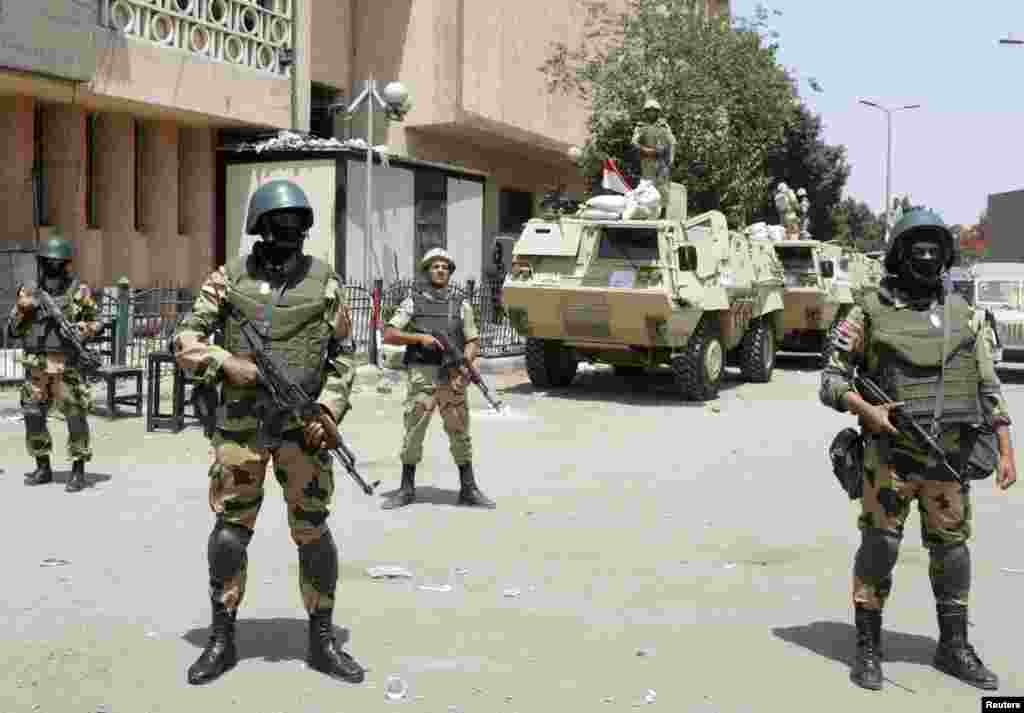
(643, 549)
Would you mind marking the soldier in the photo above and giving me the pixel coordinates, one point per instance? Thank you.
(789, 210)
(431, 307)
(805, 214)
(297, 302)
(657, 146)
(52, 372)
(895, 335)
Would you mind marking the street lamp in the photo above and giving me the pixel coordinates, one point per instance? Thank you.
(888, 155)
(395, 104)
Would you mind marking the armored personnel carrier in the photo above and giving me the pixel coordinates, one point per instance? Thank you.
(645, 293)
(822, 281)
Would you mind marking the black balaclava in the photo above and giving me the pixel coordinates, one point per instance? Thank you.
(922, 259)
(53, 274)
(282, 233)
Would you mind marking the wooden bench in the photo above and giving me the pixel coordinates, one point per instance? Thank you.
(105, 343)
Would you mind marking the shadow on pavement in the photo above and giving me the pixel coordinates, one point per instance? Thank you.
(655, 387)
(272, 640)
(429, 495)
(837, 640)
(61, 477)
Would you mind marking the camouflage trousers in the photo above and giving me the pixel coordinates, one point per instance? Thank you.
(68, 389)
(426, 393)
(236, 494)
(892, 482)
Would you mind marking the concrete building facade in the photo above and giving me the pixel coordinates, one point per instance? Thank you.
(111, 112)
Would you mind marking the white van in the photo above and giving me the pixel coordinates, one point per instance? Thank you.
(998, 288)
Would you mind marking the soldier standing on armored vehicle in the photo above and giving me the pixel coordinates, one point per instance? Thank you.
(657, 146)
(895, 336)
(299, 307)
(52, 369)
(432, 308)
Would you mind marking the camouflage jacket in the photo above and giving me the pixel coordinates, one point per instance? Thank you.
(850, 347)
(193, 350)
(81, 311)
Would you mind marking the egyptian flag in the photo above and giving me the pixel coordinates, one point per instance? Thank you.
(613, 180)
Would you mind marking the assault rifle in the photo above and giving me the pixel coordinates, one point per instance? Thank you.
(456, 358)
(290, 398)
(874, 395)
(87, 360)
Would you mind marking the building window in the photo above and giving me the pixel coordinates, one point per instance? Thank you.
(431, 191)
(321, 116)
(139, 145)
(39, 213)
(91, 218)
(514, 209)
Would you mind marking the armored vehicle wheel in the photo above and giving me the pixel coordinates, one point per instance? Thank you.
(699, 367)
(549, 364)
(757, 351)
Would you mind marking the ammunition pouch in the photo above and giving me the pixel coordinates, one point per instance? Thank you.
(979, 452)
(847, 456)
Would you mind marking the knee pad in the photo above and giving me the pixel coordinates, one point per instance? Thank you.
(226, 550)
(950, 571)
(877, 555)
(318, 562)
(77, 424)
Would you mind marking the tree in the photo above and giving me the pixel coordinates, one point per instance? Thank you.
(803, 159)
(722, 91)
(853, 223)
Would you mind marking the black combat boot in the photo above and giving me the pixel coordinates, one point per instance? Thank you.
(469, 494)
(957, 657)
(77, 480)
(42, 474)
(324, 653)
(220, 654)
(407, 493)
(867, 666)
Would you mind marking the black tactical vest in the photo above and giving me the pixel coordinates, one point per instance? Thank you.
(435, 310)
(909, 348)
(44, 335)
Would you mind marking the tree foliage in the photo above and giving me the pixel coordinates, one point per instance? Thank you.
(852, 223)
(725, 96)
(804, 160)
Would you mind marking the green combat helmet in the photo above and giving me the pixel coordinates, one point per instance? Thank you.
(436, 254)
(918, 224)
(277, 195)
(55, 249)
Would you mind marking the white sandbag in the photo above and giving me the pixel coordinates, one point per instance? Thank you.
(594, 214)
(610, 204)
(635, 211)
(777, 232)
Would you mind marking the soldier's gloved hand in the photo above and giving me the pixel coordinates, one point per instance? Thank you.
(240, 372)
(1007, 474)
(25, 301)
(875, 419)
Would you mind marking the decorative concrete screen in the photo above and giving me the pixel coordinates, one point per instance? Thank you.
(250, 33)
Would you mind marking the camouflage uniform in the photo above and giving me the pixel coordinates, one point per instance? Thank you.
(895, 336)
(298, 305)
(658, 135)
(433, 309)
(428, 389)
(53, 378)
(240, 462)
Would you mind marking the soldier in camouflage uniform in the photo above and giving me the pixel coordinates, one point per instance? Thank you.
(657, 146)
(432, 308)
(298, 304)
(52, 373)
(895, 335)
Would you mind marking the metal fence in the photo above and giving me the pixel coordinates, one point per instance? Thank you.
(152, 313)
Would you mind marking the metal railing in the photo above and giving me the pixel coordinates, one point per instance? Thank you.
(147, 318)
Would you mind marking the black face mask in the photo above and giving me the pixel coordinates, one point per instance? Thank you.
(52, 270)
(283, 234)
(924, 260)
